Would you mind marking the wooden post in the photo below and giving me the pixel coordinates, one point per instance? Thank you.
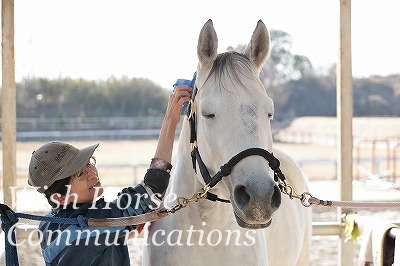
(345, 116)
(8, 103)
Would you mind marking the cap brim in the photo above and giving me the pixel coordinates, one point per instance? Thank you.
(79, 162)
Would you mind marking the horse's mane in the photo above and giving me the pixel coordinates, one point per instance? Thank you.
(231, 66)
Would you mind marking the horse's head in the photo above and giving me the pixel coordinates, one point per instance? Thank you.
(233, 113)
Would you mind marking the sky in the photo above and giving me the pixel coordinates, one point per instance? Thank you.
(96, 39)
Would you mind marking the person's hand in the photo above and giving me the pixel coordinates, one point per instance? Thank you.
(176, 100)
(172, 116)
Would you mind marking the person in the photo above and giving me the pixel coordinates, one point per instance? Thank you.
(68, 178)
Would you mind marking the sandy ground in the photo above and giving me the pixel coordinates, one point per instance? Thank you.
(324, 249)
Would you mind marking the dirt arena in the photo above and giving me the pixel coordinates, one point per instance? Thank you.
(324, 249)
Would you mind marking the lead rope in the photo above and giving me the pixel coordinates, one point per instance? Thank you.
(354, 204)
(307, 200)
(9, 219)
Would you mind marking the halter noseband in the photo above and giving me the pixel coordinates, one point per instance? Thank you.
(225, 169)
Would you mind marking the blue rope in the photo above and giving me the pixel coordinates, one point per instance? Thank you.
(80, 220)
(11, 251)
(9, 218)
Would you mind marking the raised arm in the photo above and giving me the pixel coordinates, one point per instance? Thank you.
(171, 120)
(157, 176)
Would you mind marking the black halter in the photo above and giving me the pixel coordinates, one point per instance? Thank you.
(225, 169)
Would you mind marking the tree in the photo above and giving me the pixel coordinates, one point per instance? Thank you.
(72, 98)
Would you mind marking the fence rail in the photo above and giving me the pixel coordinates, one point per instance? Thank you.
(37, 129)
(93, 123)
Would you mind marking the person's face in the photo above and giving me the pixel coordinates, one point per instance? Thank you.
(86, 184)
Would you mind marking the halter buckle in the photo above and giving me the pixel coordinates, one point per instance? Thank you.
(202, 193)
(193, 145)
(191, 113)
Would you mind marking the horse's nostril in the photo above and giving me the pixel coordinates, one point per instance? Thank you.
(276, 198)
(241, 196)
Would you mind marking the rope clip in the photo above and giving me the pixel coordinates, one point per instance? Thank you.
(291, 192)
(183, 202)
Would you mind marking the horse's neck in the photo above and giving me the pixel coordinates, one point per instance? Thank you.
(183, 177)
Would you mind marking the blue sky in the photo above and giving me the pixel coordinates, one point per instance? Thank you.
(96, 39)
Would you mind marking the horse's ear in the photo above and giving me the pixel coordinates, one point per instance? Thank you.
(208, 44)
(258, 48)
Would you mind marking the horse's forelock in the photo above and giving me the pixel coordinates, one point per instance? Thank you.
(230, 66)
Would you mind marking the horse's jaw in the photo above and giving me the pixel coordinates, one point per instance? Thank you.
(243, 224)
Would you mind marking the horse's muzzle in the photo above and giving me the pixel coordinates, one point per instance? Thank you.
(253, 207)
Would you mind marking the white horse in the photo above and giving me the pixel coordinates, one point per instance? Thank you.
(231, 112)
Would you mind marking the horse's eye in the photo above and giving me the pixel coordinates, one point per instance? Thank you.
(209, 116)
(270, 115)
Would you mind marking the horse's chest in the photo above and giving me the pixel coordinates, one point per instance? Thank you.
(223, 255)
